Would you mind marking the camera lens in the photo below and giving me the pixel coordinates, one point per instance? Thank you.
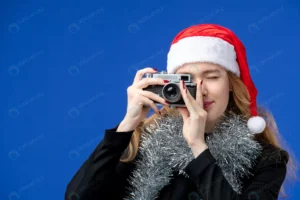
(171, 92)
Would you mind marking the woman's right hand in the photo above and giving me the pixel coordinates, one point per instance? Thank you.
(139, 101)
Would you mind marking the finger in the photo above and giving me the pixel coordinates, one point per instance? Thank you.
(149, 81)
(199, 96)
(147, 102)
(193, 107)
(198, 102)
(184, 112)
(140, 73)
(186, 98)
(153, 96)
(197, 110)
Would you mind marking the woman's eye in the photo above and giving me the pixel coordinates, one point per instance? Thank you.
(213, 77)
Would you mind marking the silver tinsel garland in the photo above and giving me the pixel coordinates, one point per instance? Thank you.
(163, 150)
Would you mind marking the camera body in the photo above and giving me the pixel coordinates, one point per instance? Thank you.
(171, 91)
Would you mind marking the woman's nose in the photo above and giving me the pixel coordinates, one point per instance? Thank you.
(203, 86)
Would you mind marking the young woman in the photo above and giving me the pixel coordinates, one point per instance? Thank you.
(215, 147)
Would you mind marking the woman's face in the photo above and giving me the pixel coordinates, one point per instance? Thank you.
(215, 88)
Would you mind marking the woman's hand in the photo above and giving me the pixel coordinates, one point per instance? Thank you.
(140, 101)
(194, 119)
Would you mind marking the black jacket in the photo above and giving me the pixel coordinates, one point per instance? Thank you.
(103, 177)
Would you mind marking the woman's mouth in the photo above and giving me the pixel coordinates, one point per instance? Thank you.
(207, 104)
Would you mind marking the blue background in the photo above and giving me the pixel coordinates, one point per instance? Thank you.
(66, 65)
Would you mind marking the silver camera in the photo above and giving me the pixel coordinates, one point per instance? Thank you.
(171, 91)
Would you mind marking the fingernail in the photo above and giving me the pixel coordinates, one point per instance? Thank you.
(167, 102)
(166, 81)
(201, 82)
(154, 69)
(159, 112)
(183, 84)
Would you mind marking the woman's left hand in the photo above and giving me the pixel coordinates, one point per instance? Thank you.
(194, 119)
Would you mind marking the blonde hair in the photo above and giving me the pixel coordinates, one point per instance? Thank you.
(239, 102)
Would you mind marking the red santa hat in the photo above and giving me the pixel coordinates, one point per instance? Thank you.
(216, 44)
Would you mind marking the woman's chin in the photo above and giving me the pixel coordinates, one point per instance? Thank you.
(211, 120)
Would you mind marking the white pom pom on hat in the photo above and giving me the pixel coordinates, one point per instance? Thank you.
(216, 44)
(256, 124)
